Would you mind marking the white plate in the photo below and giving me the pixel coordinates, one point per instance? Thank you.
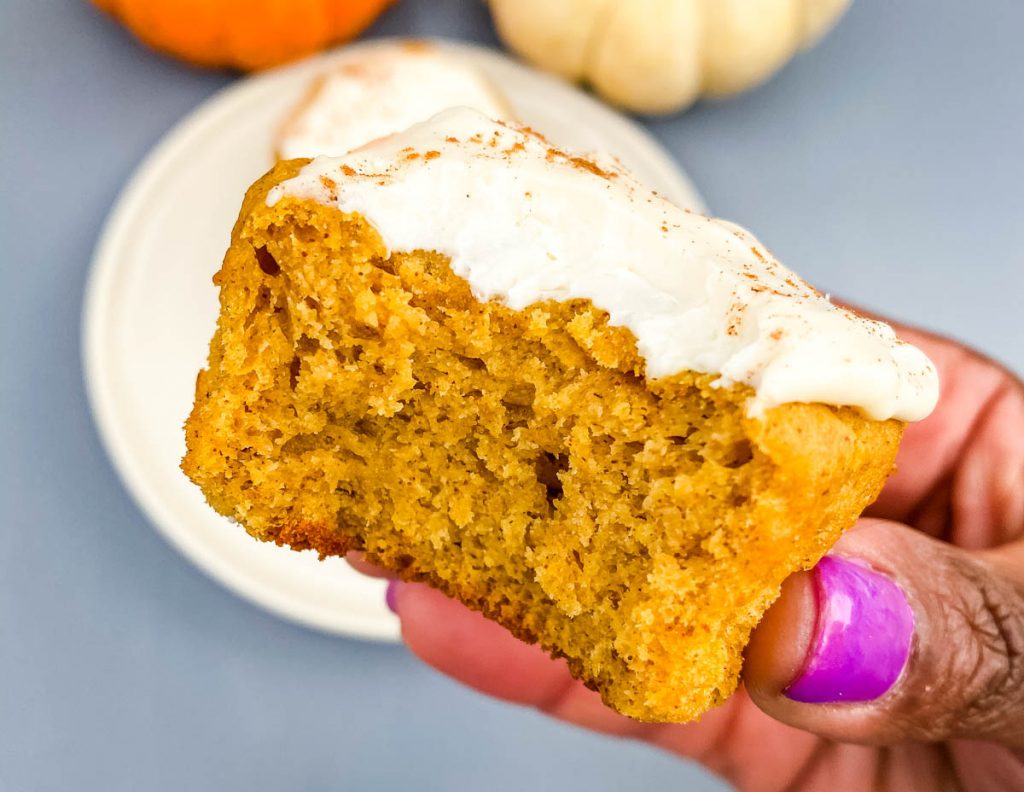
(150, 309)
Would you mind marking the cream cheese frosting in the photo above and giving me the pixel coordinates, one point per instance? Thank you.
(384, 91)
(524, 222)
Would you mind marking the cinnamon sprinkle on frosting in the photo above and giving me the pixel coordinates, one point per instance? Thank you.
(523, 222)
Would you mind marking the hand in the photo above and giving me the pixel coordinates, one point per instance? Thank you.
(938, 579)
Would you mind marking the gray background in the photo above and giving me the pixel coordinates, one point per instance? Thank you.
(885, 166)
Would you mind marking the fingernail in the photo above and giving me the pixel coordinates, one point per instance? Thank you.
(862, 639)
(389, 596)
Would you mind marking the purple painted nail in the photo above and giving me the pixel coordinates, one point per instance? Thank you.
(389, 596)
(862, 640)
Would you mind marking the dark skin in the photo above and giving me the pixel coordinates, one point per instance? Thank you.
(949, 528)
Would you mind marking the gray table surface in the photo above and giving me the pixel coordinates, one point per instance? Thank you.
(885, 166)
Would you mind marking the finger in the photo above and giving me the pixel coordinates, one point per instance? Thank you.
(358, 562)
(895, 637)
(736, 740)
(484, 655)
(980, 401)
(481, 653)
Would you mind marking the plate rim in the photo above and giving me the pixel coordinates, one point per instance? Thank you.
(99, 291)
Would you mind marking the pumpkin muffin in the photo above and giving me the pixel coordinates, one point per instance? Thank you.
(609, 424)
(377, 92)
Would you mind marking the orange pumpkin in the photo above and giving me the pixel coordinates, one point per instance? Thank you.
(244, 34)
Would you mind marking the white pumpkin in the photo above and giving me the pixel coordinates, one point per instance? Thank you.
(659, 56)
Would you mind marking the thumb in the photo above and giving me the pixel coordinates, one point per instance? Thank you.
(896, 636)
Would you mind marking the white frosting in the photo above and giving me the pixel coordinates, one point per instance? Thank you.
(384, 91)
(523, 222)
